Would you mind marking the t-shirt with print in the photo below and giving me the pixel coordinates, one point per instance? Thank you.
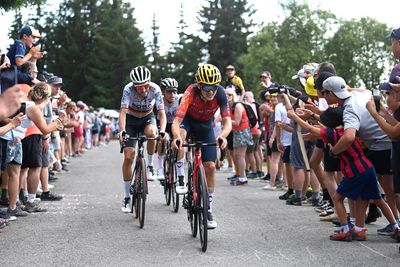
(356, 116)
(352, 161)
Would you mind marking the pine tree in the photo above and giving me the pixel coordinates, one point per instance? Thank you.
(227, 24)
(157, 62)
(16, 26)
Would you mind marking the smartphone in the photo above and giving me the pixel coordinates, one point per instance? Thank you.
(377, 99)
(23, 108)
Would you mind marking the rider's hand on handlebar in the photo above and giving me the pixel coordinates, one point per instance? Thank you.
(223, 141)
(177, 143)
(162, 136)
(122, 136)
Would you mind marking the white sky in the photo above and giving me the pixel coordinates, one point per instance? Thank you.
(167, 15)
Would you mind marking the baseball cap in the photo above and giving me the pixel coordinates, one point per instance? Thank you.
(392, 79)
(55, 80)
(29, 30)
(301, 76)
(336, 85)
(230, 67)
(395, 34)
(310, 67)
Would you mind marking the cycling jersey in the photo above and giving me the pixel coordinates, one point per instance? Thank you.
(193, 106)
(137, 103)
(170, 111)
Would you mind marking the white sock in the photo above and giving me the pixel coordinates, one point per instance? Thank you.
(353, 220)
(25, 192)
(161, 162)
(150, 160)
(358, 229)
(127, 186)
(180, 167)
(210, 202)
(31, 198)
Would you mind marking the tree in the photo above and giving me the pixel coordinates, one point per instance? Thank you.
(157, 62)
(284, 48)
(16, 26)
(227, 24)
(7, 5)
(358, 51)
(185, 55)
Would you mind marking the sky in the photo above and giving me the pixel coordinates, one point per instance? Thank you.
(167, 15)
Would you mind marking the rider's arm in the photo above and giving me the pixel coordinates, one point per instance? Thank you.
(122, 119)
(163, 120)
(125, 101)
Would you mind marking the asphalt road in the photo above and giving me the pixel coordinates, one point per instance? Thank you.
(87, 228)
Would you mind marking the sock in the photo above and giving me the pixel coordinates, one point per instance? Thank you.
(210, 201)
(180, 167)
(297, 193)
(315, 195)
(21, 194)
(161, 162)
(25, 192)
(46, 193)
(127, 186)
(31, 198)
(358, 229)
(150, 160)
(325, 194)
(344, 228)
(4, 193)
(353, 220)
(398, 222)
(290, 191)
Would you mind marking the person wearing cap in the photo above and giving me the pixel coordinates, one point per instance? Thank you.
(265, 78)
(234, 81)
(17, 52)
(359, 122)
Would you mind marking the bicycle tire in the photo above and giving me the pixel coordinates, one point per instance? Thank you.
(143, 193)
(137, 191)
(191, 210)
(202, 207)
(166, 183)
(175, 196)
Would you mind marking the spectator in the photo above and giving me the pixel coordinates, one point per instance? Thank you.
(234, 81)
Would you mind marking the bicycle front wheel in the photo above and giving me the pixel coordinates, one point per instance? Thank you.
(202, 207)
(175, 196)
(143, 193)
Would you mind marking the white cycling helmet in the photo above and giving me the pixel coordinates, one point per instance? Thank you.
(140, 75)
(169, 83)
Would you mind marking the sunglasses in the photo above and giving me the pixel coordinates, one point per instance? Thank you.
(229, 94)
(142, 86)
(208, 88)
(263, 76)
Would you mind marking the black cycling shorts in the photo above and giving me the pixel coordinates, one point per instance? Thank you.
(135, 126)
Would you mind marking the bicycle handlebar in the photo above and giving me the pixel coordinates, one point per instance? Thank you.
(137, 138)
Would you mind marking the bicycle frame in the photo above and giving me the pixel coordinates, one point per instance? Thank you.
(198, 163)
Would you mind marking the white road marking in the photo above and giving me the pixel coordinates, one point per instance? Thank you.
(374, 251)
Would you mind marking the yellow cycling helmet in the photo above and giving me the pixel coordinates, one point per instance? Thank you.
(208, 74)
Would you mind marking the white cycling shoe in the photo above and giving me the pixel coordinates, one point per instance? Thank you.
(181, 190)
(160, 175)
(211, 222)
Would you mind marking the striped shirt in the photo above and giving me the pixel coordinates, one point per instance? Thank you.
(353, 162)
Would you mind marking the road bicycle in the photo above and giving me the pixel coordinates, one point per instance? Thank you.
(171, 178)
(196, 201)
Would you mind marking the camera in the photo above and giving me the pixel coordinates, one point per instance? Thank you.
(377, 98)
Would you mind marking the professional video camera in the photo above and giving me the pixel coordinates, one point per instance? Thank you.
(282, 89)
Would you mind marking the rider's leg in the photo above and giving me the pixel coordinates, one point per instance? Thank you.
(150, 131)
(129, 155)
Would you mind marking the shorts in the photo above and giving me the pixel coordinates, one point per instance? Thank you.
(33, 155)
(3, 154)
(14, 153)
(229, 139)
(296, 157)
(62, 134)
(201, 131)
(168, 129)
(94, 131)
(135, 126)
(319, 143)
(381, 161)
(396, 166)
(331, 164)
(242, 138)
(286, 155)
(253, 148)
(78, 132)
(56, 141)
(273, 148)
(363, 186)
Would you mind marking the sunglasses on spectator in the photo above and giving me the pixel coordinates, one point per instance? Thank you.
(263, 76)
(142, 86)
(229, 94)
(208, 88)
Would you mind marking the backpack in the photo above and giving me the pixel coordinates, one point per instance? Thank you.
(250, 113)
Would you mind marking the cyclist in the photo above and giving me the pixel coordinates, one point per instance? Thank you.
(136, 116)
(169, 89)
(194, 118)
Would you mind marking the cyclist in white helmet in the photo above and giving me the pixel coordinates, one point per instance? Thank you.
(136, 116)
(169, 88)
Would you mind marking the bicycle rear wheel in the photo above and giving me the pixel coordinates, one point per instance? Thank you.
(143, 193)
(202, 207)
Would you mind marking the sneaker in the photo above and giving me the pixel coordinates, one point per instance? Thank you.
(323, 206)
(396, 234)
(50, 196)
(4, 202)
(294, 201)
(52, 178)
(358, 235)
(270, 187)
(238, 182)
(65, 169)
(341, 236)
(328, 218)
(160, 174)
(387, 230)
(233, 177)
(285, 196)
(150, 173)
(181, 189)
(326, 212)
(17, 212)
(260, 174)
(309, 192)
(265, 178)
(211, 223)
(34, 207)
(315, 202)
(252, 175)
(126, 207)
